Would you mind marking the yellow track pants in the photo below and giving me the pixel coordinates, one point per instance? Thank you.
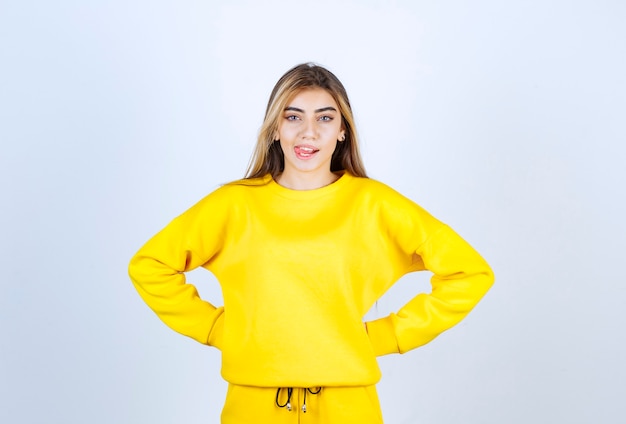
(332, 405)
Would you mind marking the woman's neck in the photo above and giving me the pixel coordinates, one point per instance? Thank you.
(306, 182)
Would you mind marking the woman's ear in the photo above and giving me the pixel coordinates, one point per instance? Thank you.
(342, 136)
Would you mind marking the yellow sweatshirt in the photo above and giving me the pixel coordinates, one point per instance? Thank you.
(299, 270)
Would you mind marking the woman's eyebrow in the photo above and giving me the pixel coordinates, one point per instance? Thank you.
(322, 109)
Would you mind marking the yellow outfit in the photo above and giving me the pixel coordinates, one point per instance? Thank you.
(298, 271)
(332, 405)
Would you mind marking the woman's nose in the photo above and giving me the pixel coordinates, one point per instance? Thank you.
(309, 128)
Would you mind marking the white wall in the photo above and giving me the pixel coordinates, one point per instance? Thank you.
(504, 119)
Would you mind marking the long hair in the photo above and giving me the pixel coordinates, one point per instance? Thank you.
(268, 157)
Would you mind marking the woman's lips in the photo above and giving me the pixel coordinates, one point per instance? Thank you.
(305, 151)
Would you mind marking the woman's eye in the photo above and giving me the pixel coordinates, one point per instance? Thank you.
(291, 117)
(326, 118)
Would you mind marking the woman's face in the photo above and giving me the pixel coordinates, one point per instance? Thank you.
(308, 131)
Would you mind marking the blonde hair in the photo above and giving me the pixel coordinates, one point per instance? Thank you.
(268, 157)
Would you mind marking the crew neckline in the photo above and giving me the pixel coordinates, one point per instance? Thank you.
(290, 193)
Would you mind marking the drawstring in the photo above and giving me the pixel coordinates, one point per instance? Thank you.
(290, 393)
(288, 403)
(319, 389)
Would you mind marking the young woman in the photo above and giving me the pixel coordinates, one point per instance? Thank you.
(303, 246)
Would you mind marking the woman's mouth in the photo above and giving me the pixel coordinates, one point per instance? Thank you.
(305, 152)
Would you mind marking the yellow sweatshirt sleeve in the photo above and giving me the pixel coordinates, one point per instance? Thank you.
(157, 272)
(460, 279)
